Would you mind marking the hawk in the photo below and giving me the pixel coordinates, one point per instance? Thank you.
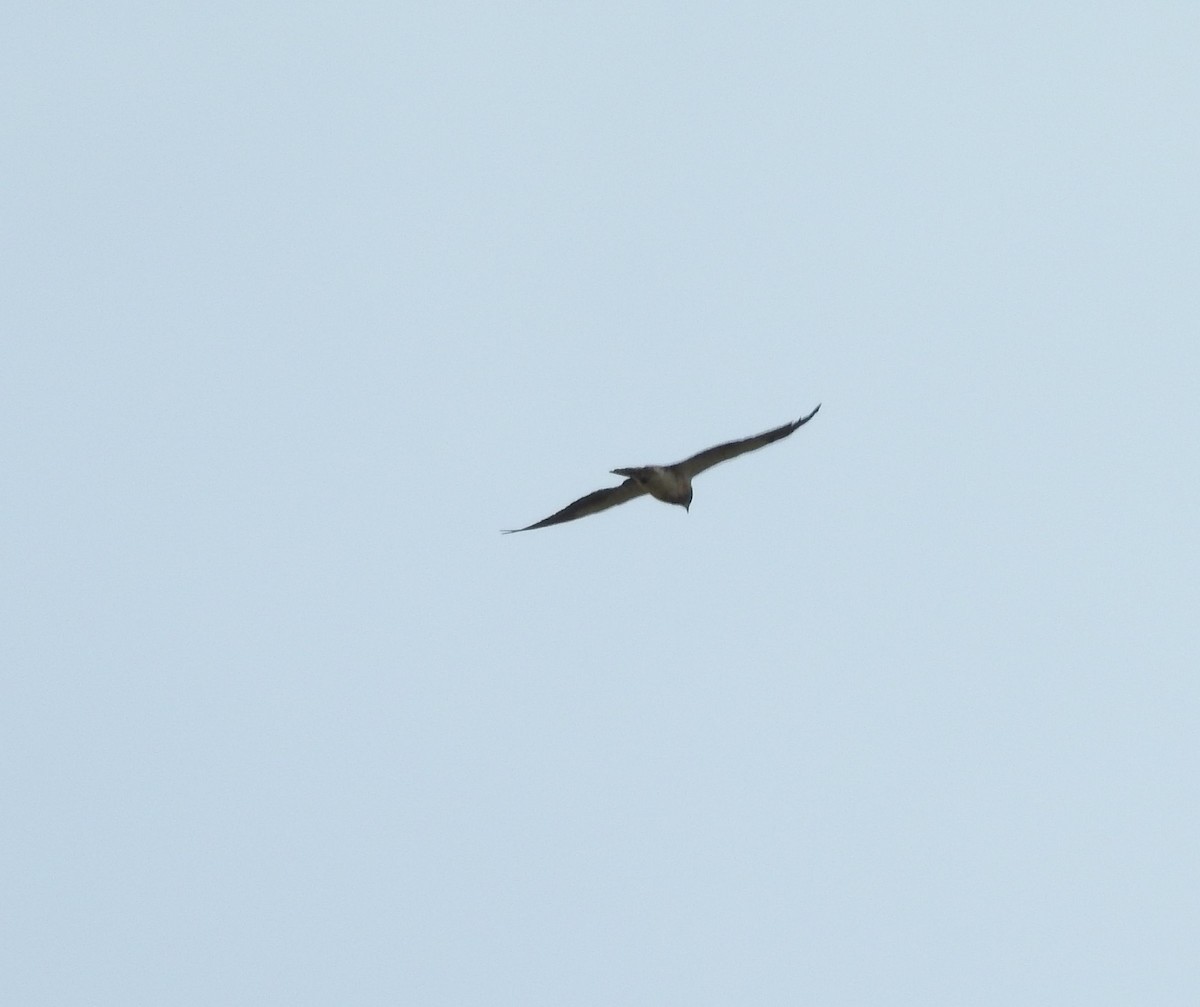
(669, 483)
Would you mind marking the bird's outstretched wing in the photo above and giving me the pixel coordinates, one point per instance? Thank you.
(692, 467)
(593, 503)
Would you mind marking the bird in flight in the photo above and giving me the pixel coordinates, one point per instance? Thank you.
(669, 483)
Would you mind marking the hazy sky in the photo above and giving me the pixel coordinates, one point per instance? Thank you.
(302, 303)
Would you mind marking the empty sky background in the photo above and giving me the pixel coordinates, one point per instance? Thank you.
(302, 303)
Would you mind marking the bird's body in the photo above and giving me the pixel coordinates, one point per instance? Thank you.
(662, 482)
(669, 483)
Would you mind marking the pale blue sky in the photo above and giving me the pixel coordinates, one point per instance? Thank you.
(303, 303)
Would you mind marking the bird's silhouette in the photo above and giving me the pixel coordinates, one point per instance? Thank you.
(669, 483)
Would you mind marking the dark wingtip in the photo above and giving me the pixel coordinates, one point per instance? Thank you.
(804, 419)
